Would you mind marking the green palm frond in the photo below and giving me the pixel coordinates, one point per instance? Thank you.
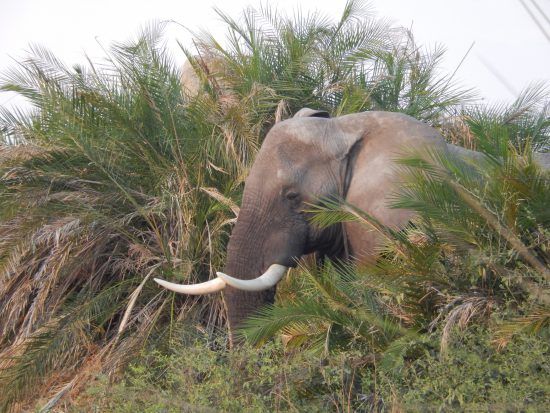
(100, 189)
(479, 202)
(479, 221)
(331, 312)
(536, 322)
(343, 66)
(525, 121)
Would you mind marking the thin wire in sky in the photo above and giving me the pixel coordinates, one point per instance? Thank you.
(534, 18)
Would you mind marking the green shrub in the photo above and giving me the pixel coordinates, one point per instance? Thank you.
(472, 376)
(196, 378)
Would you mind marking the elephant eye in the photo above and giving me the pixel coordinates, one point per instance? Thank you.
(292, 195)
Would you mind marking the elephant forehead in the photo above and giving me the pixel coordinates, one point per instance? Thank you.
(289, 175)
(277, 167)
(317, 135)
(300, 130)
(286, 151)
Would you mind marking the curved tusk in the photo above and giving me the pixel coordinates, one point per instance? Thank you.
(212, 286)
(265, 281)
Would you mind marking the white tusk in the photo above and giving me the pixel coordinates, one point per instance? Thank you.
(212, 286)
(265, 281)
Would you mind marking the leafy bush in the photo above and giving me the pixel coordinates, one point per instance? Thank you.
(472, 376)
(196, 378)
(192, 377)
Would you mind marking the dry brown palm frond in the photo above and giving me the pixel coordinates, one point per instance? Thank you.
(20, 153)
(459, 313)
(214, 193)
(282, 110)
(107, 360)
(456, 131)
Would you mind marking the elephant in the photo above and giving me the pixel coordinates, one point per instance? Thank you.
(303, 159)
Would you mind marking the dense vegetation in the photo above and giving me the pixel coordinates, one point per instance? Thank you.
(473, 376)
(118, 174)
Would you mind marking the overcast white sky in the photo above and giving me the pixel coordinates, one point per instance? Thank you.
(507, 41)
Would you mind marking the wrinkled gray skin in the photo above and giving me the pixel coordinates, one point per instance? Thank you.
(309, 157)
(301, 160)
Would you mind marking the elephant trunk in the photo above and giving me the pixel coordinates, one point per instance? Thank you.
(259, 253)
(245, 261)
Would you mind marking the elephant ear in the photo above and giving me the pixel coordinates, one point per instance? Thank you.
(343, 145)
(311, 113)
(329, 135)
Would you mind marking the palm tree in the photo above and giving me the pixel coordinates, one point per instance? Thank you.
(357, 63)
(116, 175)
(99, 193)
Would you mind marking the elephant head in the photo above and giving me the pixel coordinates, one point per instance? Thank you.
(303, 159)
